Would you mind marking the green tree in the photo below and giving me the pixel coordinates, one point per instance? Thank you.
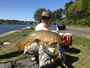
(79, 9)
(57, 14)
(37, 14)
(67, 5)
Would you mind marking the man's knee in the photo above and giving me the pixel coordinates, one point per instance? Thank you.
(45, 63)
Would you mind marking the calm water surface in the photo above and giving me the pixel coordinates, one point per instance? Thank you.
(9, 27)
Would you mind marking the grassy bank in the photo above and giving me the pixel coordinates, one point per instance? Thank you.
(80, 51)
(10, 52)
(78, 55)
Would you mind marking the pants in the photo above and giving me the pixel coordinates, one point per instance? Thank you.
(44, 58)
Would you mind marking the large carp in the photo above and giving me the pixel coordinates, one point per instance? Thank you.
(40, 37)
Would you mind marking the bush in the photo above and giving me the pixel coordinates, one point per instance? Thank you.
(82, 22)
(67, 21)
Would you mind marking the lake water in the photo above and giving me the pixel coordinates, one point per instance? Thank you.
(9, 27)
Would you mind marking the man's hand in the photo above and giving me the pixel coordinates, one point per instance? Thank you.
(55, 58)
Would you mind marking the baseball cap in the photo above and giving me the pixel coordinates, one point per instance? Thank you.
(46, 14)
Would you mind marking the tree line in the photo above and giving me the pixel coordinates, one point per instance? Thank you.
(2, 21)
(74, 13)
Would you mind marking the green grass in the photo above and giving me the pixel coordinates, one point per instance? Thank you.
(78, 55)
(10, 52)
(81, 44)
(85, 42)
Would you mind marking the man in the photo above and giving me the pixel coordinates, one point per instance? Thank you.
(45, 60)
(46, 25)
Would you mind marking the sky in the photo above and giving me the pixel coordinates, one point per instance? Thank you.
(24, 10)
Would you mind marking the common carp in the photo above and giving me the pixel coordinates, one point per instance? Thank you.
(40, 37)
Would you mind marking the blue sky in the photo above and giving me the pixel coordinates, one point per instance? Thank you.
(24, 9)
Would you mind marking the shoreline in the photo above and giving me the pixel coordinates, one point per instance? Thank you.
(13, 31)
(10, 32)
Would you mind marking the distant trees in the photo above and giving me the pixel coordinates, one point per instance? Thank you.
(2, 21)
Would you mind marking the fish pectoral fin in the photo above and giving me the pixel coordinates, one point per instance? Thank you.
(28, 43)
(21, 47)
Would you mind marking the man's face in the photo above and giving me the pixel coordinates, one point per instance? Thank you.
(46, 22)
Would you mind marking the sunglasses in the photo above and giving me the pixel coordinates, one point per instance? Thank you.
(43, 17)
